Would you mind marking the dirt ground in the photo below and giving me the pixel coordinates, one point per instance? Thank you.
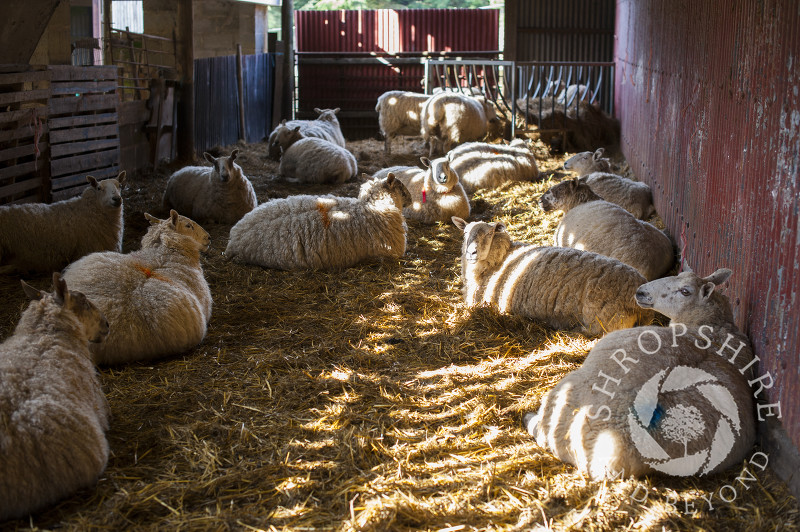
(364, 399)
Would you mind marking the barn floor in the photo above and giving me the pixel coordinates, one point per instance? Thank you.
(365, 399)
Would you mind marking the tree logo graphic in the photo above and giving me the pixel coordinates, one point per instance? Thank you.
(683, 423)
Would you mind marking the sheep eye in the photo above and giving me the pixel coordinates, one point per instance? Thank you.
(686, 292)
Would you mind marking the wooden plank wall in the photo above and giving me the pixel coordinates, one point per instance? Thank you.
(83, 124)
(24, 172)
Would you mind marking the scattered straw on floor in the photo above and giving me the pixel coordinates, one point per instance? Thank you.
(364, 399)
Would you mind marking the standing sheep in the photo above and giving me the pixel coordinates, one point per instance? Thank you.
(399, 113)
(436, 192)
(450, 118)
(670, 399)
(326, 126)
(46, 237)
(560, 287)
(156, 298)
(53, 413)
(633, 196)
(325, 232)
(592, 224)
(481, 165)
(218, 194)
(314, 160)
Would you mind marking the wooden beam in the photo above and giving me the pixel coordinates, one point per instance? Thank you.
(287, 35)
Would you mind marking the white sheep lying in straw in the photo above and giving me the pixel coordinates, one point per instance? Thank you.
(633, 196)
(562, 287)
(326, 126)
(399, 113)
(450, 118)
(314, 160)
(156, 299)
(436, 193)
(670, 399)
(220, 193)
(46, 237)
(481, 165)
(53, 413)
(593, 224)
(325, 232)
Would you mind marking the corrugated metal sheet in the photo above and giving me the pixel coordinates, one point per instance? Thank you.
(711, 120)
(335, 68)
(565, 30)
(216, 101)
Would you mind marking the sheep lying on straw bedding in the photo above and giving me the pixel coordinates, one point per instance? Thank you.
(325, 232)
(220, 193)
(562, 287)
(594, 224)
(450, 118)
(46, 237)
(633, 196)
(313, 160)
(156, 299)
(670, 399)
(436, 192)
(399, 113)
(326, 127)
(482, 165)
(53, 411)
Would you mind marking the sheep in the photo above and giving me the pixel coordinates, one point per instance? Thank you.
(562, 287)
(436, 191)
(399, 113)
(218, 194)
(53, 413)
(481, 165)
(449, 119)
(325, 126)
(156, 298)
(633, 196)
(39, 237)
(594, 224)
(325, 232)
(671, 400)
(567, 94)
(314, 160)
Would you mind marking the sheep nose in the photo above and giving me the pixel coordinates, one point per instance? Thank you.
(116, 201)
(641, 294)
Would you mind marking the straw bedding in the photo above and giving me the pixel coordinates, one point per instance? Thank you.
(363, 399)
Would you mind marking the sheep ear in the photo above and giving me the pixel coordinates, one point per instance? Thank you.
(121, 177)
(152, 219)
(283, 122)
(499, 227)
(336, 111)
(173, 216)
(32, 293)
(390, 178)
(208, 157)
(60, 285)
(234, 153)
(318, 110)
(459, 222)
(706, 290)
(425, 161)
(719, 276)
(92, 181)
(296, 130)
(598, 154)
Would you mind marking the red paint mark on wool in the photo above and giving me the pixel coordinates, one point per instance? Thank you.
(150, 274)
(423, 195)
(323, 210)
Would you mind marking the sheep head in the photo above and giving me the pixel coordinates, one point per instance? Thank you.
(566, 195)
(440, 177)
(108, 191)
(688, 298)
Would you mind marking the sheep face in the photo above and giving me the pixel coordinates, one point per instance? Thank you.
(224, 167)
(94, 323)
(677, 297)
(328, 115)
(183, 226)
(478, 238)
(109, 191)
(400, 194)
(587, 162)
(566, 195)
(440, 176)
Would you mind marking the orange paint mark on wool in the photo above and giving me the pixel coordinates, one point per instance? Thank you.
(323, 210)
(150, 274)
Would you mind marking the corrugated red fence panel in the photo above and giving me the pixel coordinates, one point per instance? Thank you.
(711, 120)
(333, 45)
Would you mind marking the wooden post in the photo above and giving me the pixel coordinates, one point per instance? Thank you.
(185, 64)
(240, 87)
(287, 33)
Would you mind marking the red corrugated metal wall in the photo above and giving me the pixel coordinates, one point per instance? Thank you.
(708, 98)
(336, 70)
